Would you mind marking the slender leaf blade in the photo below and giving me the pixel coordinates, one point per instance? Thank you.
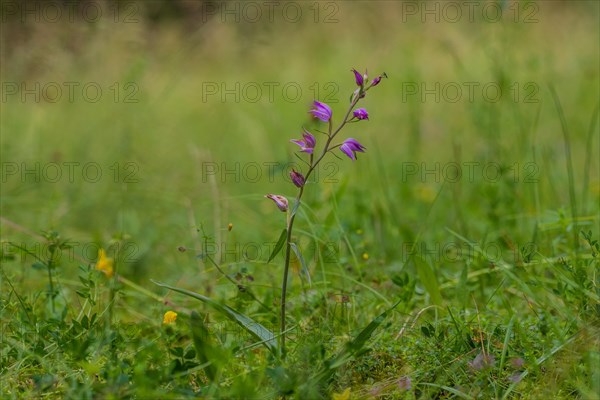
(302, 262)
(205, 349)
(428, 280)
(278, 246)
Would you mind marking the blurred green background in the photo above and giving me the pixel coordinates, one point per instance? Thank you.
(158, 129)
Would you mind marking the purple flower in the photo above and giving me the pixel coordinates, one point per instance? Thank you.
(361, 113)
(308, 144)
(360, 80)
(404, 383)
(482, 361)
(517, 362)
(516, 377)
(280, 201)
(350, 147)
(321, 111)
(297, 178)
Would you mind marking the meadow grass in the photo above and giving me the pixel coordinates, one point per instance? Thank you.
(495, 271)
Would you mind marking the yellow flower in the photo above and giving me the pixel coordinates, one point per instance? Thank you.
(170, 317)
(345, 395)
(365, 256)
(425, 193)
(105, 264)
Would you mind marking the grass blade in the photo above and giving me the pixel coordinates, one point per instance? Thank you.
(569, 161)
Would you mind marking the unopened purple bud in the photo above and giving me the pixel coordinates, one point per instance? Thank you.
(280, 201)
(360, 80)
(361, 113)
(297, 178)
(378, 79)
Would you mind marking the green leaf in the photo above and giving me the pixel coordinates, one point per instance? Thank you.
(304, 267)
(38, 265)
(265, 336)
(278, 246)
(206, 350)
(177, 351)
(428, 280)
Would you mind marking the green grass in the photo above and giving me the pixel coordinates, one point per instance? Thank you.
(496, 283)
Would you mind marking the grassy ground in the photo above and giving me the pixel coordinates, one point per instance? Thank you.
(495, 269)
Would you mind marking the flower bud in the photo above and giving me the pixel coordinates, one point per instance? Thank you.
(360, 80)
(280, 201)
(297, 178)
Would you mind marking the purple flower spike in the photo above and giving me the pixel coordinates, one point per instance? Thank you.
(297, 178)
(280, 201)
(308, 144)
(361, 113)
(360, 81)
(350, 147)
(321, 111)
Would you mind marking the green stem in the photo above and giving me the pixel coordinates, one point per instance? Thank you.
(290, 225)
(50, 283)
(112, 288)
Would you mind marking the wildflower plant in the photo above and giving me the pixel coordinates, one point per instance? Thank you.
(314, 150)
(309, 145)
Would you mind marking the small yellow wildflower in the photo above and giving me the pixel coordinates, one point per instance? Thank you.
(425, 193)
(170, 317)
(345, 395)
(365, 256)
(105, 264)
(230, 227)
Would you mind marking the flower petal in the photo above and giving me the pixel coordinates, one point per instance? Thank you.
(361, 113)
(309, 139)
(321, 111)
(358, 77)
(345, 148)
(354, 145)
(169, 317)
